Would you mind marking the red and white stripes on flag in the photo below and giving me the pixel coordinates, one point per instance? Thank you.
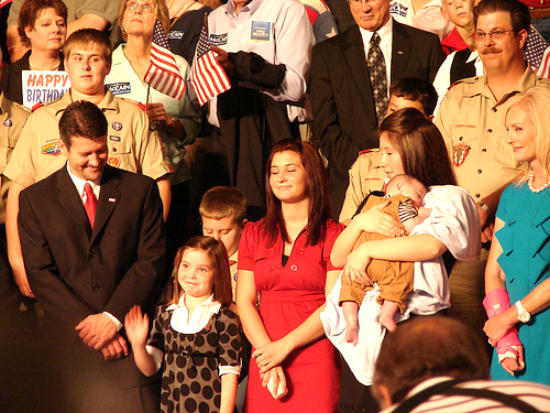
(207, 76)
(163, 73)
(544, 68)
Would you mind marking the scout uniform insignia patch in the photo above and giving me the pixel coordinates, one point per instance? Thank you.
(460, 152)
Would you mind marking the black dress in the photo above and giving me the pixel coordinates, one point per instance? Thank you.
(190, 375)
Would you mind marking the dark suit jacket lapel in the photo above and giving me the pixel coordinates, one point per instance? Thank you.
(354, 54)
(109, 196)
(401, 51)
(70, 199)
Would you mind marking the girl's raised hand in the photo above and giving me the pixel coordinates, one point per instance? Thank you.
(136, 325)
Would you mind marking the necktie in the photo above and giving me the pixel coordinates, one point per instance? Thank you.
(91, 203)
(378, 79)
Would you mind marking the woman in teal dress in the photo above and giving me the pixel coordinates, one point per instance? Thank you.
(517, 276)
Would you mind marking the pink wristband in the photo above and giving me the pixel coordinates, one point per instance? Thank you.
(496, 302)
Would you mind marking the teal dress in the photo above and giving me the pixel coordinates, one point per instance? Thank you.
(525, 240)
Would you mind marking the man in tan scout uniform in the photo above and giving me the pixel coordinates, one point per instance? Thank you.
(132, 145)
(12, 119)
(471, 120)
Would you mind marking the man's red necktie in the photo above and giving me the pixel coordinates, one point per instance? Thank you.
(91, 203)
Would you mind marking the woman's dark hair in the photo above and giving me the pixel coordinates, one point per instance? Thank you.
(219, 265)
(420, 146)
(29, 13)
(316, 187)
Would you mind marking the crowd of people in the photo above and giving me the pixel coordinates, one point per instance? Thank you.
(357, 224)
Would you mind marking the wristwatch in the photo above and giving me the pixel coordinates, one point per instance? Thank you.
(523, 314)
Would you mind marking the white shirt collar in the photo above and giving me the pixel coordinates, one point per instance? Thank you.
(384, 32)
(182, 322)
(79, 183)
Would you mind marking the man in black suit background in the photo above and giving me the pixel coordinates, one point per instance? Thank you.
(344, 102)
(93, 244)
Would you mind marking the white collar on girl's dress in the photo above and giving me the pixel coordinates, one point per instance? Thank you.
(181, 321)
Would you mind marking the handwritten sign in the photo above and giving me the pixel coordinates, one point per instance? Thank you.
(43, 86)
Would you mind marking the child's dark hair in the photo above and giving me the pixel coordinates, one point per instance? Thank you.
(412, 88)
(219, 266)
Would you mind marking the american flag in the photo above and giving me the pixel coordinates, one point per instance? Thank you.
(544, 68)
(207, 76)
(163, 73)
(534, 49)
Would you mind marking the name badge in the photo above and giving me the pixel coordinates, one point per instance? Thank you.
(175, 35)
(398, 9)
(260, 31)
(218, 39)
(120, 88)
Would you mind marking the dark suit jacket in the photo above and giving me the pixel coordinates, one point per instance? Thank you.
(344, 115)
(75, 272)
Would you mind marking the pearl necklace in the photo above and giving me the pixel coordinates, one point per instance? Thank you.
(530, 184)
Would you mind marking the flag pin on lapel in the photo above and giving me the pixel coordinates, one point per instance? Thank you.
(112, 200)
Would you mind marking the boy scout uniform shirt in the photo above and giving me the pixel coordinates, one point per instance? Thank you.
(132, 145)
(12, 118)
(365, 176)
(472, 124)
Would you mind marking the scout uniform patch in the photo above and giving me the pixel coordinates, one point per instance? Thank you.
(7, 123)
(460, 152)
(114, 162)
(51, 148)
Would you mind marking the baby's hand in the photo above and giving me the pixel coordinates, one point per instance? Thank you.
(423, 213)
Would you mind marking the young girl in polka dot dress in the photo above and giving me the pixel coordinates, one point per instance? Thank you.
(196, 338)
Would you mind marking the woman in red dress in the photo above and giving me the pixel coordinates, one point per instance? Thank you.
(285, 258)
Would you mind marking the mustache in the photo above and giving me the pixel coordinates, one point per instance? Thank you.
(490, 50)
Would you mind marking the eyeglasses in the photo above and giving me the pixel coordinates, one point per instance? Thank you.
(146, 8)
(496, 35)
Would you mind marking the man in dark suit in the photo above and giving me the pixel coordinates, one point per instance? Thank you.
(344, 108)
(93, 245)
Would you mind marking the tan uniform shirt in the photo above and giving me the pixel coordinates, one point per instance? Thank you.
(365, 176)
(12, 118)
(472, 124)
(132, 145)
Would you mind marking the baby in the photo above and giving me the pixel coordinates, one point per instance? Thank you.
(395, 279)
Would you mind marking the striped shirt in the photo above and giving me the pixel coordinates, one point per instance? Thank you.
(535, 394)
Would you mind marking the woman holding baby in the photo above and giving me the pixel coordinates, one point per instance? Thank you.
(410, 144)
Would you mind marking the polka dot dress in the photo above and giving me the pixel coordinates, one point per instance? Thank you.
(190, 375)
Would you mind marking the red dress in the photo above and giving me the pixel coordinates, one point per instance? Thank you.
(289, 295)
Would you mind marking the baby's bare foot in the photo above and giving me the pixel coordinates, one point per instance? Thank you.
(352, 334)
(387, 321)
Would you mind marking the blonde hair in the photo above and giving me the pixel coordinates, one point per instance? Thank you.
(223, 201)
(161, 14)
(536, 103)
